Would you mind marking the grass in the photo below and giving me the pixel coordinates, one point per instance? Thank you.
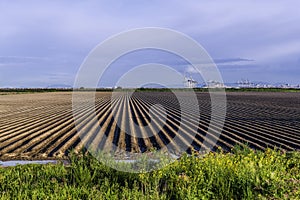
(262, 90)
(30, 90)
(39, 90)
(213, 89)
(244, 174)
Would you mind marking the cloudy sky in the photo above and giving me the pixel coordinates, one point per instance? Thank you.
(43, 43)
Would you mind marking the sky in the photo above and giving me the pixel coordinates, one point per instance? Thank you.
(43, 43)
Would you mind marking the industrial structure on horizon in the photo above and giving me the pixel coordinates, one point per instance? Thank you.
(189, 82)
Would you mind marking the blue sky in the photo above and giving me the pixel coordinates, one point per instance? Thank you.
(43, 43)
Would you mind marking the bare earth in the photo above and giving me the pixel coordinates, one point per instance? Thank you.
(41, 125)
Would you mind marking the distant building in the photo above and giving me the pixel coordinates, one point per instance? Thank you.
(214, 84)
(245, 83)
(189, 82)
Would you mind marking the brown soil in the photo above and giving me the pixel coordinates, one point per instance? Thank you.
(41, 125)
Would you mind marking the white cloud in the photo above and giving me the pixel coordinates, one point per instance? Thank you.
(191, 70)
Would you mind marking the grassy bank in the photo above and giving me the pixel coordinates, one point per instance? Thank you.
(30, 90)
(212, 89)
(243, 175)
(39, 90)
(262, 90)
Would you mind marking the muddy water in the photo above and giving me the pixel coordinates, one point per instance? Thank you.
(25, 162)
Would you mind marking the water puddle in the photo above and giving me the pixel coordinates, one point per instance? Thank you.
(12, 163)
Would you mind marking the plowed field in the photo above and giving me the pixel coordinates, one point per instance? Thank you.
(41, 125)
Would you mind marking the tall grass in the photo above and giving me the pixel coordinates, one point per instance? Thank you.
(245, 174)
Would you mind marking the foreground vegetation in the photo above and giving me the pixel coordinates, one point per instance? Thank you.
(245, 174)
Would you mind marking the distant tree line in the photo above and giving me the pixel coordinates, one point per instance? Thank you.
(142, 89)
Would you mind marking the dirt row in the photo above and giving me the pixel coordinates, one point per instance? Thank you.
(42, 125)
